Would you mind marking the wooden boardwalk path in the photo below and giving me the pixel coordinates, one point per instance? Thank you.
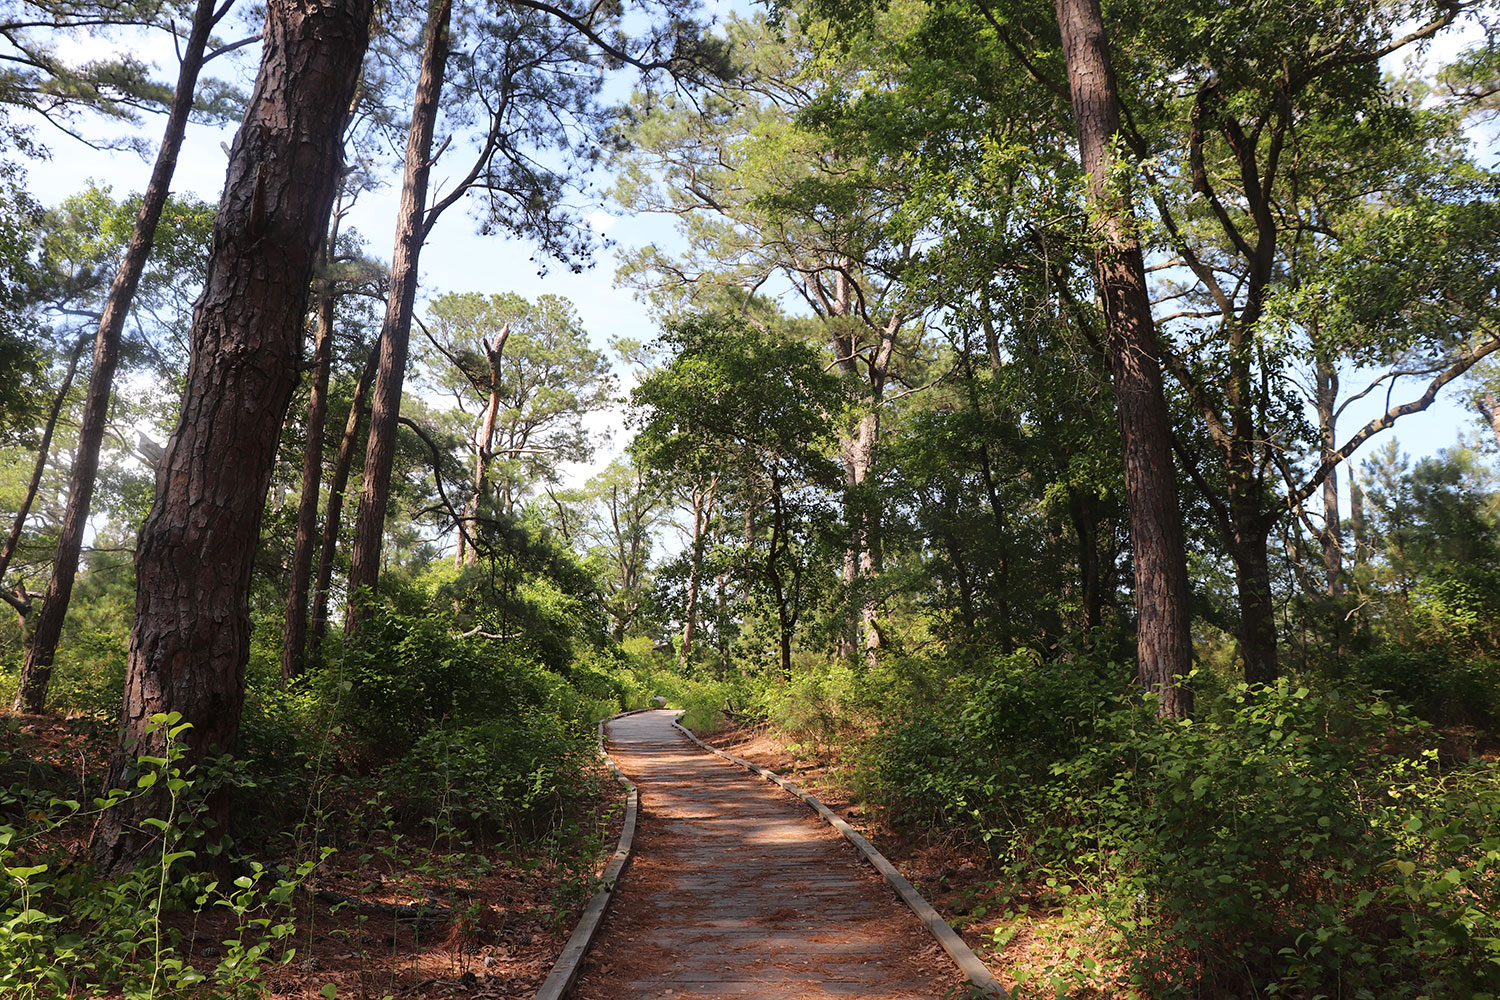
(736, 889)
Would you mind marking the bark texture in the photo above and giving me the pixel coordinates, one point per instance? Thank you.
(191, 638)
(395, 334)
(1163, 644)
(36, 674)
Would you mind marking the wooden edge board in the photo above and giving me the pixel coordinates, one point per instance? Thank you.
(963, 956)
(565, 970)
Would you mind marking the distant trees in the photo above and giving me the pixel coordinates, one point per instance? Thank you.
(1240, 178)
(762, 199)
(523, 373)
(755, 411)
(528, 74)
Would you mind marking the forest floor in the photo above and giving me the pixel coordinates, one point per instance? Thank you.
(390, 913)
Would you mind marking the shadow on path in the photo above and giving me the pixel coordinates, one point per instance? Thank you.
(737, 890)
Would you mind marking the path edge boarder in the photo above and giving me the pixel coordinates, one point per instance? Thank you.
(963, 956)
(565, 970)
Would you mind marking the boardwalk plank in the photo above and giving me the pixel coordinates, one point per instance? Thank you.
(736, 890)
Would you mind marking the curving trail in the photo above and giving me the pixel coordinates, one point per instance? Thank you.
(736, 889)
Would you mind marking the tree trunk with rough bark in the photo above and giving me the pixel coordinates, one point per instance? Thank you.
(395, 335)
(1164, 647)
(37, 671)
(191, 638)
(1252, 575)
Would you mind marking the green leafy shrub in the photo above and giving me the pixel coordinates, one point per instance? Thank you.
(503, 776)
(1437, 685)
(66, 933)
(1287, 842)
(409, 671)
(982, 759)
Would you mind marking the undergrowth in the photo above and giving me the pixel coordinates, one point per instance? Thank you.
(1300, 840)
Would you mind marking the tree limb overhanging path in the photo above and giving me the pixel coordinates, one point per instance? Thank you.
(737, 890)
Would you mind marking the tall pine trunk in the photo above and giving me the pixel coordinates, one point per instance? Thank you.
(333, 514)
(294, 632)
(395, 336)
(36, 674)
(191, 638)
(34, 484)
(1164, 648)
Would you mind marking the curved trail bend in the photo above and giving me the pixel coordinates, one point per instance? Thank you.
(736, 889)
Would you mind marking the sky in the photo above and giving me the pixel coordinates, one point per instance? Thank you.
(456, 259)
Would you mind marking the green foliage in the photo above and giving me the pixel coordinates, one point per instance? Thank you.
(506, 776)
(1435, 684)
(409, 671)
(1286, 842)
(64, 933)
(548, 379)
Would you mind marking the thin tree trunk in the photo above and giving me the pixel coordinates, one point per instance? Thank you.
(703, 505)
(1249, 525)
(294, 633)
(1164, 647)
(485, 451)
(1489, 407)
(784, 619)
(333, 514)
(191, 638)
(868, 536)
(37, 671)
(960, 567)
(411, 232)
(1086, 527)
(1357, 520)
(38, 469)
(1333, 542)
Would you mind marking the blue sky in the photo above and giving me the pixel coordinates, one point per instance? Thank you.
(456, 259)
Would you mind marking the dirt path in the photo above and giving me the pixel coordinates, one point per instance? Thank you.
(737, 890)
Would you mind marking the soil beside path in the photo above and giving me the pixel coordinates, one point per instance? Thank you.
(736, 889)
